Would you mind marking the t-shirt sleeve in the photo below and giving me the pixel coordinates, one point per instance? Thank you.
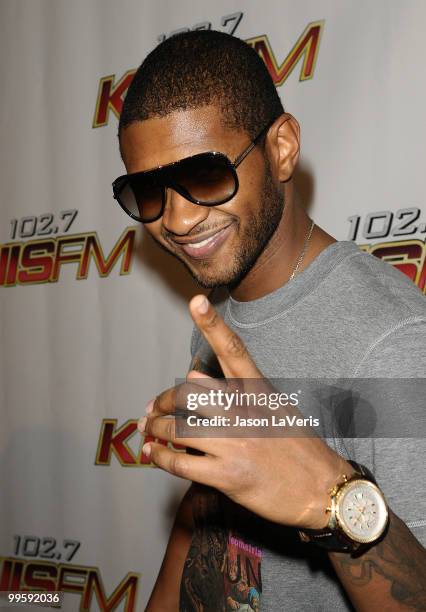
(400, 353)
(397, 452)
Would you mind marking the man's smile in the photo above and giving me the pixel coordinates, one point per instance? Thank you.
(203, 245)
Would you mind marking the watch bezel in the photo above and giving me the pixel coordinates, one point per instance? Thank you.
(340, 521)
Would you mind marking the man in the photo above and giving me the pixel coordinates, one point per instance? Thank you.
(210, 156)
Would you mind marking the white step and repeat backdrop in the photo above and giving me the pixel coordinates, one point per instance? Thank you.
(94, 318)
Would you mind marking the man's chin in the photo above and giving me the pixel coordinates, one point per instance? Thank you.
(207, 273)
(227, 269)
(210, 276)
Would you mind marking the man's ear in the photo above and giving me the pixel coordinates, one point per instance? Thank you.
(283, 146)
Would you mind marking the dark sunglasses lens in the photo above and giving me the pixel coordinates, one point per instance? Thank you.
(207, 178)
(142, 197)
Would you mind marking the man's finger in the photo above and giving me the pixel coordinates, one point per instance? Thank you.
(164, 428)
(207, 382)
(218, 384)
(230, 350)
(192, 374)
(176, 397)
(202, 469)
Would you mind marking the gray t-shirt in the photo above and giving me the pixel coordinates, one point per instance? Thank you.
(348, 314)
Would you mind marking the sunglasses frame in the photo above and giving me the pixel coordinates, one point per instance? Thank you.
(118, 183)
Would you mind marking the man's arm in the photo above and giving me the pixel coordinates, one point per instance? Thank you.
(389, 576)
(165, 595)
(166, 591)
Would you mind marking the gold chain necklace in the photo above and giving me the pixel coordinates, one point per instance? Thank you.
(302, 254)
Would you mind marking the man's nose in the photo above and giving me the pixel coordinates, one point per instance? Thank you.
(180, 215)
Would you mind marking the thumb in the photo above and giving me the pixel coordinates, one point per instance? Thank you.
(195, 374)
(232, 354)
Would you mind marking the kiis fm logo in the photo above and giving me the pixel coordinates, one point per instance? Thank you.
(115, 441)
(41, 260)
(111, 93)
(21, 573)
(24, 575)
(409, 256)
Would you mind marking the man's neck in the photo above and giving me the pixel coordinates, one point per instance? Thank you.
(278, 260)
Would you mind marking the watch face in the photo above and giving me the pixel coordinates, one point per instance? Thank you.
(361, 511)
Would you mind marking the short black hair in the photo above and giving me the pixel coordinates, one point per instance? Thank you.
(194, 69)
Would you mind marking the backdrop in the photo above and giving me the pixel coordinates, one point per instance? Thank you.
(94, 318)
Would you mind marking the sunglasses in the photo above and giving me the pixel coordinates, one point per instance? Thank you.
(207, 179)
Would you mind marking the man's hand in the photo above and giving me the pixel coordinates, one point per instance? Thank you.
(285, 480)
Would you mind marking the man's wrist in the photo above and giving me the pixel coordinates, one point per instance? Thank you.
(357, 514)
(317, 516)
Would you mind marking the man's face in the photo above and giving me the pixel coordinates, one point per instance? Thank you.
(218, 244)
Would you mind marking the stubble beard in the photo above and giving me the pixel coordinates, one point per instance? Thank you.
(259, 229)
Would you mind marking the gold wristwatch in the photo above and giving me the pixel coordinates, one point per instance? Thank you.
(358, 514)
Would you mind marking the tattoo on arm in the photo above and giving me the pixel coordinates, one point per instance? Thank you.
(202, 578)
(399, 558)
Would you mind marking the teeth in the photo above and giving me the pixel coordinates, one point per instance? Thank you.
(198, 245)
